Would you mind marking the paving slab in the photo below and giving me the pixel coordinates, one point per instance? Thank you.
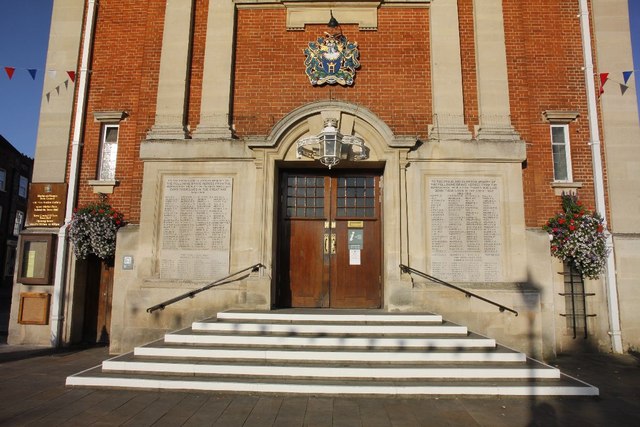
(32, 392)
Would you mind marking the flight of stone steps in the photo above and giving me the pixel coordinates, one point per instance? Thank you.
(330, 352)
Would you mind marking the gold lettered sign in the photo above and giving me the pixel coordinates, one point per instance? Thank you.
(46, 205)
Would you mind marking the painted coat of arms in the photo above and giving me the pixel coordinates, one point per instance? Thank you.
(332, 59)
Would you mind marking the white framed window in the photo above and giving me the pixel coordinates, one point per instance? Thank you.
(3, 179)
(561, 153)
(108, 152)
(24, 186)
(17, 225)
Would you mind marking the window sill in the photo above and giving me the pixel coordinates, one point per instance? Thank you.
(566, 187)
(103, 186)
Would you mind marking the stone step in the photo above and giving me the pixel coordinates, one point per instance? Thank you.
(565, 386)
(329, 329)
(395, 372)
(330, 316)
(295, 352)
(165, 350)
(373, 342)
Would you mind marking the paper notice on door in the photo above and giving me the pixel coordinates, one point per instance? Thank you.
(354, 256)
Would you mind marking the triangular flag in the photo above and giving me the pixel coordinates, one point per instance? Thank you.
(52, 73)
(603, 79)
(58, 89)
(623, 88)
(72, 75)
(48, 95)
(626, 75)
(32, 72)
(66, 84)
(9, 71)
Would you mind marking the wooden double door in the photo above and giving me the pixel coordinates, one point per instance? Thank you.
(329, 234)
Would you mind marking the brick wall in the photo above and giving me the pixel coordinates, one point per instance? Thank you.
(394, 79)
(544, 56)
(124, 69)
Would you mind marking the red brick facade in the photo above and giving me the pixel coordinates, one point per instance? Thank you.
(544, 58)
(394, 80)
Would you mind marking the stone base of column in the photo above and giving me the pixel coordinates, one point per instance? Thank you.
(497, 133)
(212, 132)
(168, 132)
(450, 132)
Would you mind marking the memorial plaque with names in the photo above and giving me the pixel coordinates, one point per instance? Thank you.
(196, 228)
(46, 205)
(465, 229)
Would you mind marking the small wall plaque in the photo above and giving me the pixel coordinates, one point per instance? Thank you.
(34, 308)
(46, 205)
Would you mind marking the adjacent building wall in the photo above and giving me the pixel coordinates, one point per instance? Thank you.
(54, 133)
(621, 135)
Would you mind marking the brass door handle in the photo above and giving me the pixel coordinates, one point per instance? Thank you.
(333, 243)
(326, 244)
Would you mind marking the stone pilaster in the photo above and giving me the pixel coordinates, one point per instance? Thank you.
(493, 82)
(216, 84)
(174, 67)
(448, 105)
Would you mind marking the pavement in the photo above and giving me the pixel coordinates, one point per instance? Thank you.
(33, 393)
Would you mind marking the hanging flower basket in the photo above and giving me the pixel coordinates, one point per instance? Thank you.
(577, 237)
(93, 229)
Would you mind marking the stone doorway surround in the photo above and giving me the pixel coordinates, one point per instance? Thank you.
(387, 152)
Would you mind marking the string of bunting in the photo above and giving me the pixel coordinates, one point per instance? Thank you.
(626, 75)
(33, 72)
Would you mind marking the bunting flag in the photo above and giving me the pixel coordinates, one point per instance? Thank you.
(623, 88)
(9, 71)
(624, 85)
(57, 89)
(603, 79)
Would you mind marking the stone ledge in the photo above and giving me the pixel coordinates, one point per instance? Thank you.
(201, 150)
(474, 150)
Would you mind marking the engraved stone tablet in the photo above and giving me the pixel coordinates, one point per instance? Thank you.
(196, 228)
(465, 229)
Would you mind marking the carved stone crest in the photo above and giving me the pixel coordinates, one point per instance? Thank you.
(332, 59)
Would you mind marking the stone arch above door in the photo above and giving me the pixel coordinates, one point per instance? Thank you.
(352, 120)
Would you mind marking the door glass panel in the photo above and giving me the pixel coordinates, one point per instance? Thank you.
(356, 197)
(305, 197)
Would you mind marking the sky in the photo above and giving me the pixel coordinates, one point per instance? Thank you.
(634, 17)
(24, 33)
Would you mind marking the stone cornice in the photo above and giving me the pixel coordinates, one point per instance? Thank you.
(559, 116)
(304, 12)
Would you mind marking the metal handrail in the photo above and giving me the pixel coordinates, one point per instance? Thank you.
(218, 282)
(468, 294)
